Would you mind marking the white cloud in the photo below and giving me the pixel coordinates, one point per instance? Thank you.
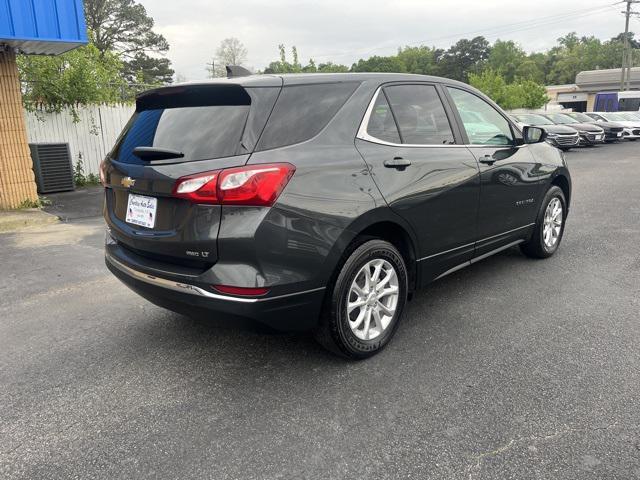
(344, 31)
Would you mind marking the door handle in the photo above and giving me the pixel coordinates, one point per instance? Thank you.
(487, 159)
(398, 162)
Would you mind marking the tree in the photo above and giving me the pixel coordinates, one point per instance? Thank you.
(506, 58)
(230, 52)
(464, 57)
(379, 64)
(123, 26)
(80, 77)
(518, 94)
(148, 71)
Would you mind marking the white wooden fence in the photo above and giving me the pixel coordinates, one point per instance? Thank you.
(89, 140)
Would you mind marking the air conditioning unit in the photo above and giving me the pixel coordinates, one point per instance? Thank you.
(52, 166)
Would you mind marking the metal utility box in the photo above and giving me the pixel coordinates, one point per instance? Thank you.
(47, 27)
(52, 167)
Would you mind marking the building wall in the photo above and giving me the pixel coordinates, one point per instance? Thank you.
(16, 175)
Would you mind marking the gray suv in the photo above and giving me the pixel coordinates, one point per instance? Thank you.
(322, 201)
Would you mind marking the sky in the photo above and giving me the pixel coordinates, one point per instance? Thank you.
(347, 30)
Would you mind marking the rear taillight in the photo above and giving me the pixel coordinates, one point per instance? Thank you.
(199, 188)
(256, 185)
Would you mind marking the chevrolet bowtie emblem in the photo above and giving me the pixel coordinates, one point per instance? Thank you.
(127, 182)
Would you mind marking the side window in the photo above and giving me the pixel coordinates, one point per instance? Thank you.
(381, 123)
(483, 124)
(302, 111)
(420, 115)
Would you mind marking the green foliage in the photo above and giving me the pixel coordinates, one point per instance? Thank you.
(80, 77)
(39, 203)
(284, 66)
(517, 94)
(391, 64)
(80, 179)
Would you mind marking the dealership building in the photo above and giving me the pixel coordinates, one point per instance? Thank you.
(581, 96)
(34, 27)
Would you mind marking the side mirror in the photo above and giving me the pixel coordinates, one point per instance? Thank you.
(533, 134)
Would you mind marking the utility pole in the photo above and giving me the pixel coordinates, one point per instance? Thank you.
(213, 67)
(627, 56)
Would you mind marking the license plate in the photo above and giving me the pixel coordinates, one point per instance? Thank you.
(141, 210)
(619, 134)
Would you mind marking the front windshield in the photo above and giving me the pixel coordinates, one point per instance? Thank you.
(533, 119)
(561, 118)
(615, 117)
(581, 117)
(631, 116)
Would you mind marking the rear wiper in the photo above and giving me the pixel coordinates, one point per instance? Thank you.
(153, 153)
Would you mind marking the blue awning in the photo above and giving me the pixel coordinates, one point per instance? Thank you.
(46, 27)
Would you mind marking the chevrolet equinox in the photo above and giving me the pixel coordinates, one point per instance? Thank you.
(322, 201)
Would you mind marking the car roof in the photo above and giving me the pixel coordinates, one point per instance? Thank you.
(269, 79)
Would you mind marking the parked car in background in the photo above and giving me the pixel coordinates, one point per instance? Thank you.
(561, 136)
(612, 130)
(322, 201)
(590, 134)
(631, 127)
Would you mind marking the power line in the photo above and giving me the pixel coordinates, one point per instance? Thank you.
(488, 32)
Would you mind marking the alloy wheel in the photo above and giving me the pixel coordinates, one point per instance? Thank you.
(552, 224)
(373, 299)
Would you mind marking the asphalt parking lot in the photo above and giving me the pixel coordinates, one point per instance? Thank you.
(511, 368)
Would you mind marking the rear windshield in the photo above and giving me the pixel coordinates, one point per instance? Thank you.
(202, 122)
(303, 111)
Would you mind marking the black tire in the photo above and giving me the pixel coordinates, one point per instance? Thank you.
(536, 246)
(334, 332)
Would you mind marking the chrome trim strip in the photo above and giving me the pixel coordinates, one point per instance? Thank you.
(478, 259)
(479, 241)
(446, 251)
(504, 233)
(192, 289)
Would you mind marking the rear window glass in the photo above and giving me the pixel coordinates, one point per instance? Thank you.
(382, 125)
(202, 123)
(302, 111)
(420, 115)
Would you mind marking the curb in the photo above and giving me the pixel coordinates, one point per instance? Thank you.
(13, 220)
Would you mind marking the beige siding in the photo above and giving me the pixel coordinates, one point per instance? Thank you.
(16, 175)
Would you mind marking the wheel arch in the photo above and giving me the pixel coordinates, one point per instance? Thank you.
(380, 223)
(564, 183)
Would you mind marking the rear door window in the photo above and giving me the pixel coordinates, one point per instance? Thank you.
(202, 122)
(302, 111)
(420, 115)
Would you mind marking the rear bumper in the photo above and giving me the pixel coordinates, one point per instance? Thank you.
(296, 311)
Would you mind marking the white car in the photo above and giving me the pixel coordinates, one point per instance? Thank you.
(626, 119)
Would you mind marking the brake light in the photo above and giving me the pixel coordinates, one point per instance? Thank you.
(258, 185)
(255, 185)
(242, 291)
(199, 188)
